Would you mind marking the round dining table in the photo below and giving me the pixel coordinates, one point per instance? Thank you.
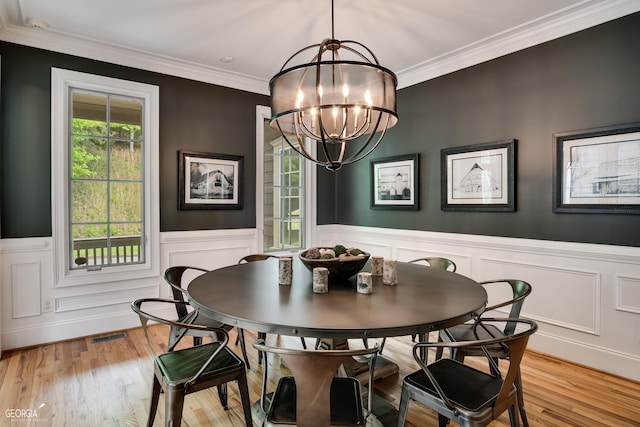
(425, 299)
(248, 296)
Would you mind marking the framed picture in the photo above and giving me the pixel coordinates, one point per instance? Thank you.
(394, 182)
(597, 170)
(479, 177)
(209, 181)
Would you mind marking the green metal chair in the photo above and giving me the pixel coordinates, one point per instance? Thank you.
(180, 372)
(173, 276)
(314, 395)
(465, 332)
(466, 395)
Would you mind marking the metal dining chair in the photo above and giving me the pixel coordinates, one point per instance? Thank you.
(261, 335)
(314, 395)
(173, 276)
(178, 373)
(436, 262)
(466, 395)
(465, 332)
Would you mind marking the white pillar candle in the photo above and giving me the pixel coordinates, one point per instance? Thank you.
(377, 265)
(320, 280)
(285, 272)
(390, 272)
(365, 283)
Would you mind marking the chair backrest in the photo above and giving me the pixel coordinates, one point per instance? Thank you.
(173, 276)
(520, 290)
(437, 262)
(318, 367)
(516, 343)
(255, 257)
(146, 317)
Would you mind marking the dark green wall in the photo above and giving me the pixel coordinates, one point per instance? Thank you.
(588, 79)
(585, 80)
(193, 116)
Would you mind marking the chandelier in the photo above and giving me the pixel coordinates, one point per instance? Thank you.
(343, 98)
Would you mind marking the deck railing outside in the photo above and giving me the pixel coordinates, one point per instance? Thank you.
(103, 251)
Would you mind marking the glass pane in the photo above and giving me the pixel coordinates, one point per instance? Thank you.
(89, 158)
(291, 233)
(89, 245)
(268, 235)
(88, 201)
(126, 118)
(89, 114)
(126, 243)
(125, 202)
(126, 160)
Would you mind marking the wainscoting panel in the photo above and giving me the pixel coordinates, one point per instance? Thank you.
(585, 298)
(628, 294)
(545, 303)
(25, 289)
(102, 299)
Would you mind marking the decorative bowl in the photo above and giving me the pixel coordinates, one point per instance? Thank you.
(339, 268)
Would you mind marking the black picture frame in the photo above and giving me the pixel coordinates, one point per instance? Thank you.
(394, 182)
(210, 180)
(479, 177)
(597, 170)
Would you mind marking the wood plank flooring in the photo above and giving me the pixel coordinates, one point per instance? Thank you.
(108, 383)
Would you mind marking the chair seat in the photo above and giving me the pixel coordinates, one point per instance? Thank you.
(181, 365)
(466, 387)
(346, 402)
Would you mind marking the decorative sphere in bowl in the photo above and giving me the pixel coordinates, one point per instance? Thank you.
(340, 268)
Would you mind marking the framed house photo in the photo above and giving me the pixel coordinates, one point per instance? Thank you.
(394, 183)
(479, 177)
(209, 181)
(597, 170)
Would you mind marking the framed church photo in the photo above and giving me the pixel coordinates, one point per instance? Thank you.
(209, 181)
(479, 177)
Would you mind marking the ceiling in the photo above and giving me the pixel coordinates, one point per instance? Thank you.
(417, 39)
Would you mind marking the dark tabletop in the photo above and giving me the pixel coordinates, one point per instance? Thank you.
(249, 296)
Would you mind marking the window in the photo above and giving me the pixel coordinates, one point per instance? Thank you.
(285, 212)
(105, 178)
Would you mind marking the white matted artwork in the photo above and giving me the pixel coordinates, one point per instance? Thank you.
(479, 177)
(394, 182)
(598, 170)
(210, 181)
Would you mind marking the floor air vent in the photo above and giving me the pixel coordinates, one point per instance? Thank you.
(108, 337)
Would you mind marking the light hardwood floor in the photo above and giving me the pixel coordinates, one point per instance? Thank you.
(85, 384)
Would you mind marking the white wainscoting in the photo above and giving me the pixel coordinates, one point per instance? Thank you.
(33, 311)
(585, 298)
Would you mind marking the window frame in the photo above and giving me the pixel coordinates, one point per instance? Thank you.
(310, 175)
(61, 83)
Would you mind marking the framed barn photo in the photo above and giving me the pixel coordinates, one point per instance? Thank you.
(597, 170)
(479, 177)
(209, 181)
(394, 183)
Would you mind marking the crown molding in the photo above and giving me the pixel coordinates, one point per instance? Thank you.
(578, 17)
(586, 14)
(122, 55)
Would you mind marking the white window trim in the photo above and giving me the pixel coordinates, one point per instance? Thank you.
(310, 178)
(61, 82)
